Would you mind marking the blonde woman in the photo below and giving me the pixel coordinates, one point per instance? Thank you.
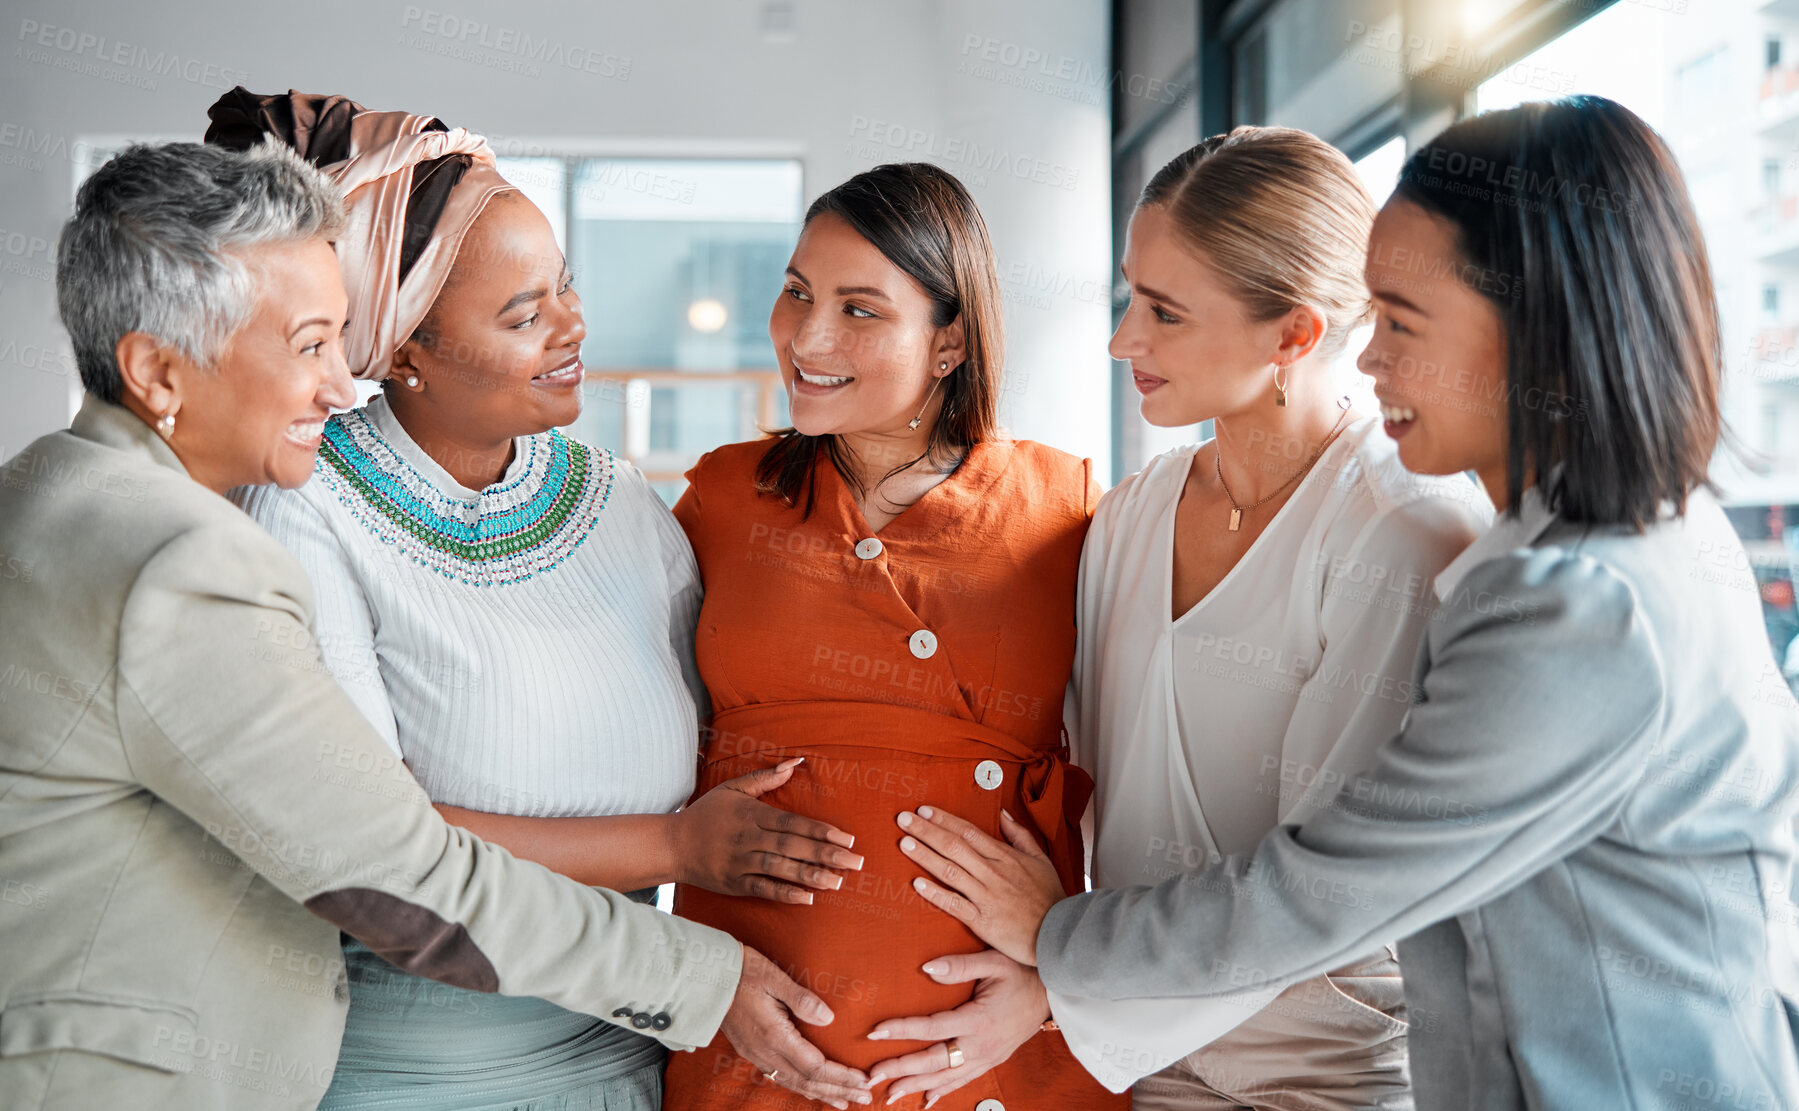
(1250, 611)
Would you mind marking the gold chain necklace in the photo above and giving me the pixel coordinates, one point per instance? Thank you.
(1237, 510)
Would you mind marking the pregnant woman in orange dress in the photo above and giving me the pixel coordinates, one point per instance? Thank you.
(889, 593)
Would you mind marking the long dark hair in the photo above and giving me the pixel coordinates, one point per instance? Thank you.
(923, 221)
(1613, 352)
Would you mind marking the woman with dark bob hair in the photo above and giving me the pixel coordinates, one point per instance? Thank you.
(1583, 829)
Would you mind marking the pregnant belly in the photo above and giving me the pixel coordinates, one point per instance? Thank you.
(860, 948)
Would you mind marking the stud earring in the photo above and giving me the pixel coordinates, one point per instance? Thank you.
(412, 381)
(1280, 387)
(942, 366)
(165, 427)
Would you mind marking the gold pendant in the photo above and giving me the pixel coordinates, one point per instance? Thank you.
(1236, 519)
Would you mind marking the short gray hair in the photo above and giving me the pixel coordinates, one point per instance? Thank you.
(150, 247)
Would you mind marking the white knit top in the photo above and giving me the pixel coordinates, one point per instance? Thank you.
(528, 648)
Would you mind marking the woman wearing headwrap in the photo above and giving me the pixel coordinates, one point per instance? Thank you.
(512, 609)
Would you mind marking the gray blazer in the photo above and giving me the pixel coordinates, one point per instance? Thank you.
(1585, 825)
(190, 811)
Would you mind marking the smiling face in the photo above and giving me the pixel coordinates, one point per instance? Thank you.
(1438, 354)
(499, 355)
(855, 336)
(256, 418)
(1194, 353)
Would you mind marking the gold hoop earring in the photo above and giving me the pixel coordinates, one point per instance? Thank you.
(1280, 387)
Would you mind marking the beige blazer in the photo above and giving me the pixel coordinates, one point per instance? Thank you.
(190, 811)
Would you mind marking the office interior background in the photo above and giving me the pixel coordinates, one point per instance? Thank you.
(675, 147)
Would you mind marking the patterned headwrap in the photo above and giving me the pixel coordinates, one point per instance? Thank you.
(412, 186)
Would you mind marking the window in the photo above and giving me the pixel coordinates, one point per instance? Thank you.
(1379, 169)
(1619, 53)
(677, 262)
(1772, 56)
(1251, 84)
(1702, 88)
(1480, 15)
(1771, 300)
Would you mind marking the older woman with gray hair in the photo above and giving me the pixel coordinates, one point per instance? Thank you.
(512, 609)
(196, 806)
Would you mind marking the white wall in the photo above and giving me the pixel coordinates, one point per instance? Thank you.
(1009, 94)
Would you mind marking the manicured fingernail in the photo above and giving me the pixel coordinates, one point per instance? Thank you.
(807, 895)
(876, 1036)
(926, 812)
(932, 968)
(1007, 814)
(836, 883)
(905, 818)
(853, 863)
(793, 763)
(907, 844)
(919, 886)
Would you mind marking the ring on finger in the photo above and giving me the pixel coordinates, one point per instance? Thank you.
(955, 1054)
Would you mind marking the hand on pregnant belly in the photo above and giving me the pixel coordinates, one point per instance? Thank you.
(1008, 1008)
(730, 842)
(760, 1027)
(1000, 891)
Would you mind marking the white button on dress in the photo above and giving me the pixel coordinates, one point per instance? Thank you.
(923, 644)
(989, 775)
(990, 1105)
(868, 549)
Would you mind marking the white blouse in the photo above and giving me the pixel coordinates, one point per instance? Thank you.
(527, 648)
(1256, 706)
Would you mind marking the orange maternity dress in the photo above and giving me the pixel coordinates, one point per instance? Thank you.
(925, 664)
